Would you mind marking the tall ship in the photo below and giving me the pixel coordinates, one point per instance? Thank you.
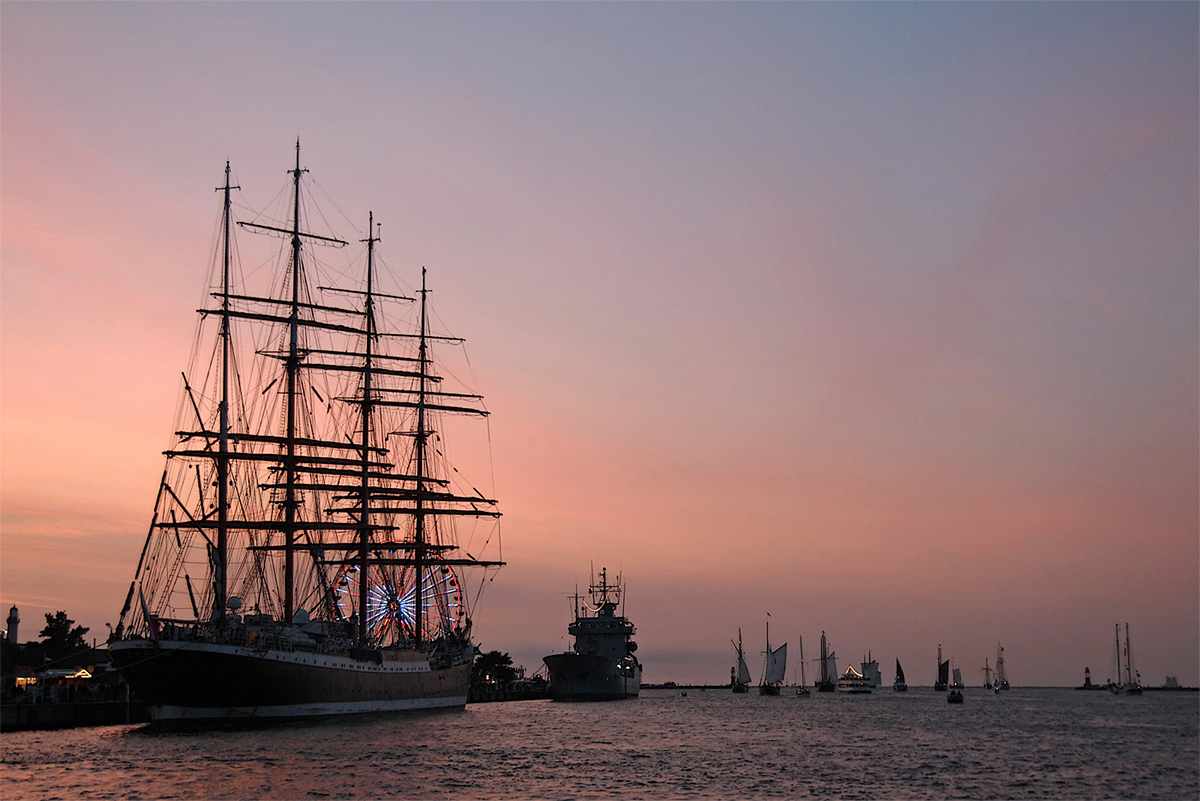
(1001, 676)
(802, 690)
(602, 665)
(739, 677)
(1131, 682)
(870, 669)
(302, 558)
(827, 668)
(943, 672)
(774, 667)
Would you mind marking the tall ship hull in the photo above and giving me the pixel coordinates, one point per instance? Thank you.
(580, 677)
(601, 666)
(302, 557)
(186, 681)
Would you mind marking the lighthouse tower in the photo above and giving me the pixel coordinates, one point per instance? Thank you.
(13, 621)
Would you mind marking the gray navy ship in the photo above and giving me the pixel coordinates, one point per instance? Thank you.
(602, 665)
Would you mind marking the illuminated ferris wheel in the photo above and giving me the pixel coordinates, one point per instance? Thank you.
(391, 600)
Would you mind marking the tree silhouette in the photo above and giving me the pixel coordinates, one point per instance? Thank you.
(493, 668)
(59, 638)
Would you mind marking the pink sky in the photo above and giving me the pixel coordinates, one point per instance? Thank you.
(879, 318)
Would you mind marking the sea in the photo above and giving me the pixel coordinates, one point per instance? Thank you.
(672, 743)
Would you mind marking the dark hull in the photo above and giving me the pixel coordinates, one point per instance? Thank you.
(28, 717)
(579, 677)
(201, 681)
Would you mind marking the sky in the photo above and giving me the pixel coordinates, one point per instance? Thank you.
(880, 318)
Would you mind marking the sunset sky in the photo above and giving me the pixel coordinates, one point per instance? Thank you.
(881, 318)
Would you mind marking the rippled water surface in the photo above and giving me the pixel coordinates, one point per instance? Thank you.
(1023, 744)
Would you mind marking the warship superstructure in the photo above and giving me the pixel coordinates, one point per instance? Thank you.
(601, 666)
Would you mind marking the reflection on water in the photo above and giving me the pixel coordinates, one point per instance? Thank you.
(1027, 743)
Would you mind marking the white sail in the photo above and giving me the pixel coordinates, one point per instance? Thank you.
(743, 672)
(777, 665)
(831, 665)
(957, 678)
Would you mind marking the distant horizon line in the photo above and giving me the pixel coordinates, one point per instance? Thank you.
(668, 685)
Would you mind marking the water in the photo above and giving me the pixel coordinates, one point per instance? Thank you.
(1021, 744)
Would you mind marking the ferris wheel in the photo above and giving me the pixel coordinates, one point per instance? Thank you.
(391, 600)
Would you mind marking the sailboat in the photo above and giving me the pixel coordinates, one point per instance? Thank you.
(739, 677)
(826, 683)
(870, 669)
(774, 667)
(898, 685)
(943, 672)
(987, 675)
(302, 558)
(1001, 678)
(1132, 684)
(956, 682)
(802, 690)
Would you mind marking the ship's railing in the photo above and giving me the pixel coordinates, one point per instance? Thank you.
(271, 636)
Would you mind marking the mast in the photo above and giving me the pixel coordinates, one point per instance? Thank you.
(803, 681)
(221, 568)
(1117, 645)
(364, 532)
(293, 369)
(769, 664)
(1128, 657)
(419, 511)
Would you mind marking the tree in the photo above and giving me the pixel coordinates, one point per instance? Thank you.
(59, 638)
(493, 668)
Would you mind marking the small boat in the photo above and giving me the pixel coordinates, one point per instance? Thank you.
(898, 685)
(802, 690)
(1133, 680)
(774, 667)
(739, 677)
(955, 697)
(853, 682)
(943, 672)
(956, 682)
(987, 675)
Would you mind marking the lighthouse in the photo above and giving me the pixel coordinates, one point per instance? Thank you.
(13, 621)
